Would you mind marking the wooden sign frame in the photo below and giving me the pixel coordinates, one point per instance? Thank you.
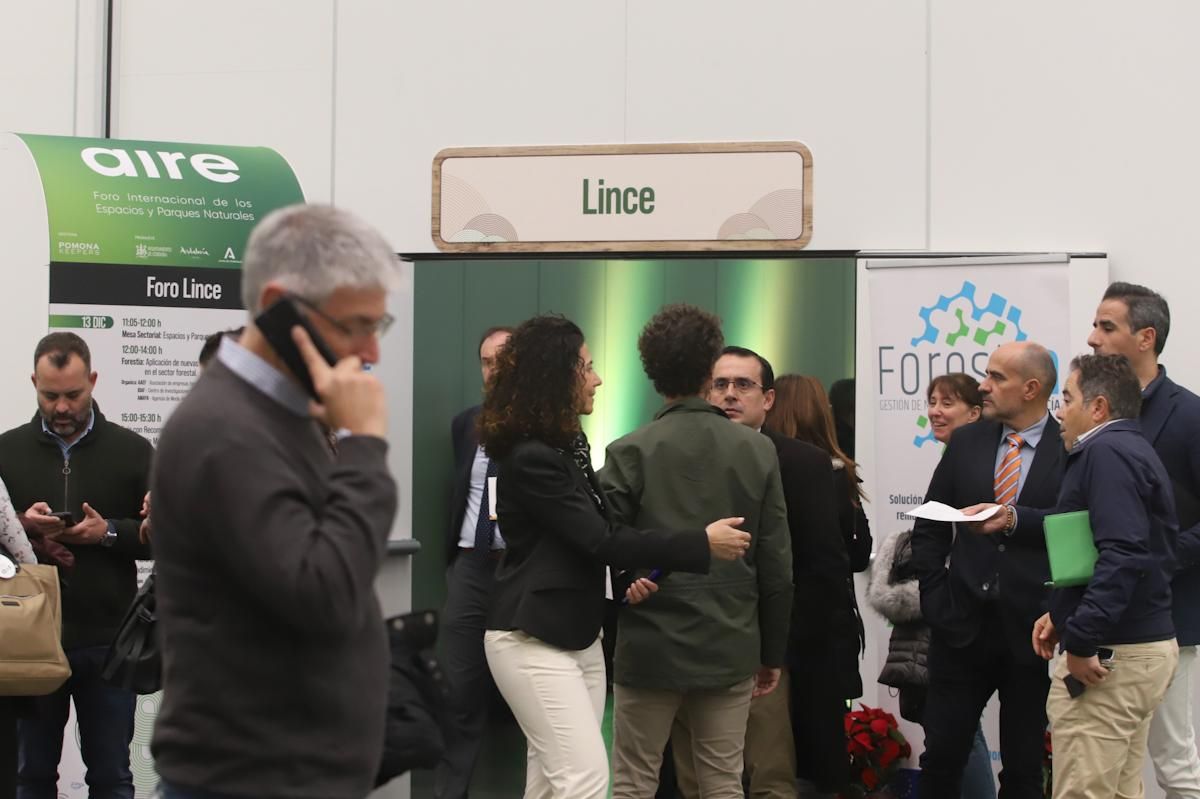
(701, 245)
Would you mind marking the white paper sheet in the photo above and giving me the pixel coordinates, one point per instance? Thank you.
(939, 512)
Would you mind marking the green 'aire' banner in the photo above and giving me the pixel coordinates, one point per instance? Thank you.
(116, 201)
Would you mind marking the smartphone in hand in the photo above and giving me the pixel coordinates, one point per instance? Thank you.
(68, 518)
(276, 325)
(1075, 688)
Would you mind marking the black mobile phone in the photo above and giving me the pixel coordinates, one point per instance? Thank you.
(68, 518)
(1075, 688)
(276, 324)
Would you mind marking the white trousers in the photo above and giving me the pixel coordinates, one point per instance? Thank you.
(1172, 741)
(557, 697)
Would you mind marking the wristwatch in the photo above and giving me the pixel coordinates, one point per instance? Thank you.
(110, 535)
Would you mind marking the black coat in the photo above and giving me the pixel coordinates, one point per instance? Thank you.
(550, 582)
(822, 654)
(1013, 565)
(1171, 423)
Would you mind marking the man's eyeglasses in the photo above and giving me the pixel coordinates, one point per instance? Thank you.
(356, 327)
(741, 385)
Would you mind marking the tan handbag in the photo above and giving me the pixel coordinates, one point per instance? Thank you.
(32, 662)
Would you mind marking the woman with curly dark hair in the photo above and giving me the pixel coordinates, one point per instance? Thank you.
(542, 643)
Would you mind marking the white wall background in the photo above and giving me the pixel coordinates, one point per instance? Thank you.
(935, 124)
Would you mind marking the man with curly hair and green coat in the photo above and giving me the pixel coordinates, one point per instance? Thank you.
(701, 644)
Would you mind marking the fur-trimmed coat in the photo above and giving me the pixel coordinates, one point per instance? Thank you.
(893, 592)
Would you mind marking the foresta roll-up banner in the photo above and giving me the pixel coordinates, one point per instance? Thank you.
(146, 243)
(923, 316)
(143, 242)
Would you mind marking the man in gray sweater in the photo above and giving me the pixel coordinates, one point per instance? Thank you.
(268, 534)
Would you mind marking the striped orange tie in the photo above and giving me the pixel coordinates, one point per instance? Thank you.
(1008, 473)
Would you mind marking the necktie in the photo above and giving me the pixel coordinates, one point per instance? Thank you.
(485, 527)
(1008, 473)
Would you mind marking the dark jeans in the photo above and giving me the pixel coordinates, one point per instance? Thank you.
(168, 791)
(105, 716)
(8, 747)
(961, 682)
(464, 618)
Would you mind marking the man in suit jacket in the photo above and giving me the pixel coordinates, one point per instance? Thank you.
(473, 548)
(982, 584)
(822, 612)
(1134, 321)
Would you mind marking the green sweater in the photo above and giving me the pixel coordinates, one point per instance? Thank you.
(688, 468)
(109, 470)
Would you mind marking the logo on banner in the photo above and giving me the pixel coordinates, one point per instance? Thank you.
(77, 248)
(957, 333)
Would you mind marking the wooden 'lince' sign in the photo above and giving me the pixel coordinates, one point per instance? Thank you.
(623, 198)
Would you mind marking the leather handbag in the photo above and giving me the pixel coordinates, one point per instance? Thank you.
(134, 660)
(32, 661)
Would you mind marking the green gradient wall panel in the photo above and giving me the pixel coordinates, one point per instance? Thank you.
(635, 292)
(798, 312)
(692, 281)
(438, 378)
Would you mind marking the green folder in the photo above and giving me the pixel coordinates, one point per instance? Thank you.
(1071, 548)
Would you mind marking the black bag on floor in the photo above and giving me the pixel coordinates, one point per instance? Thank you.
(134, 660)
(417, 719)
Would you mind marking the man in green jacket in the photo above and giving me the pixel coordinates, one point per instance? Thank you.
(702, 644)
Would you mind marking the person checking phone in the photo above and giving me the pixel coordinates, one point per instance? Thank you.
(543, 638)
(268, 532)
(1100, 711)
(77, 480)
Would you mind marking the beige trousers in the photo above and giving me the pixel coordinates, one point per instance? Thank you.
(1099, 737)
(642, 725)
(770, 754)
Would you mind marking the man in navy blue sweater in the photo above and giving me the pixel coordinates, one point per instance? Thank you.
(1116, 634)
(1134, 321)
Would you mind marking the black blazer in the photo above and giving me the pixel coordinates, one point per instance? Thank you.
(464, 436)
(1171, 423)
(1011, 569)
(820, 565)
(550, 582)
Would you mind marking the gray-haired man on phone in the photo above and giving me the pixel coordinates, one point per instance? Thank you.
(268, 535)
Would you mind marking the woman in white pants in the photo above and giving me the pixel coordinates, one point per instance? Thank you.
(543, 638)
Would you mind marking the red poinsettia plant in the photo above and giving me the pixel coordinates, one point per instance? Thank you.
(876, 748)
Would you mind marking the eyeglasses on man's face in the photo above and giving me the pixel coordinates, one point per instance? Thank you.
(741, 385)
(355, 327)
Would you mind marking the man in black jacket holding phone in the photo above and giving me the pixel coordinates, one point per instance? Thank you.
(474, 545)
(71, 460)
(1100, 708)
